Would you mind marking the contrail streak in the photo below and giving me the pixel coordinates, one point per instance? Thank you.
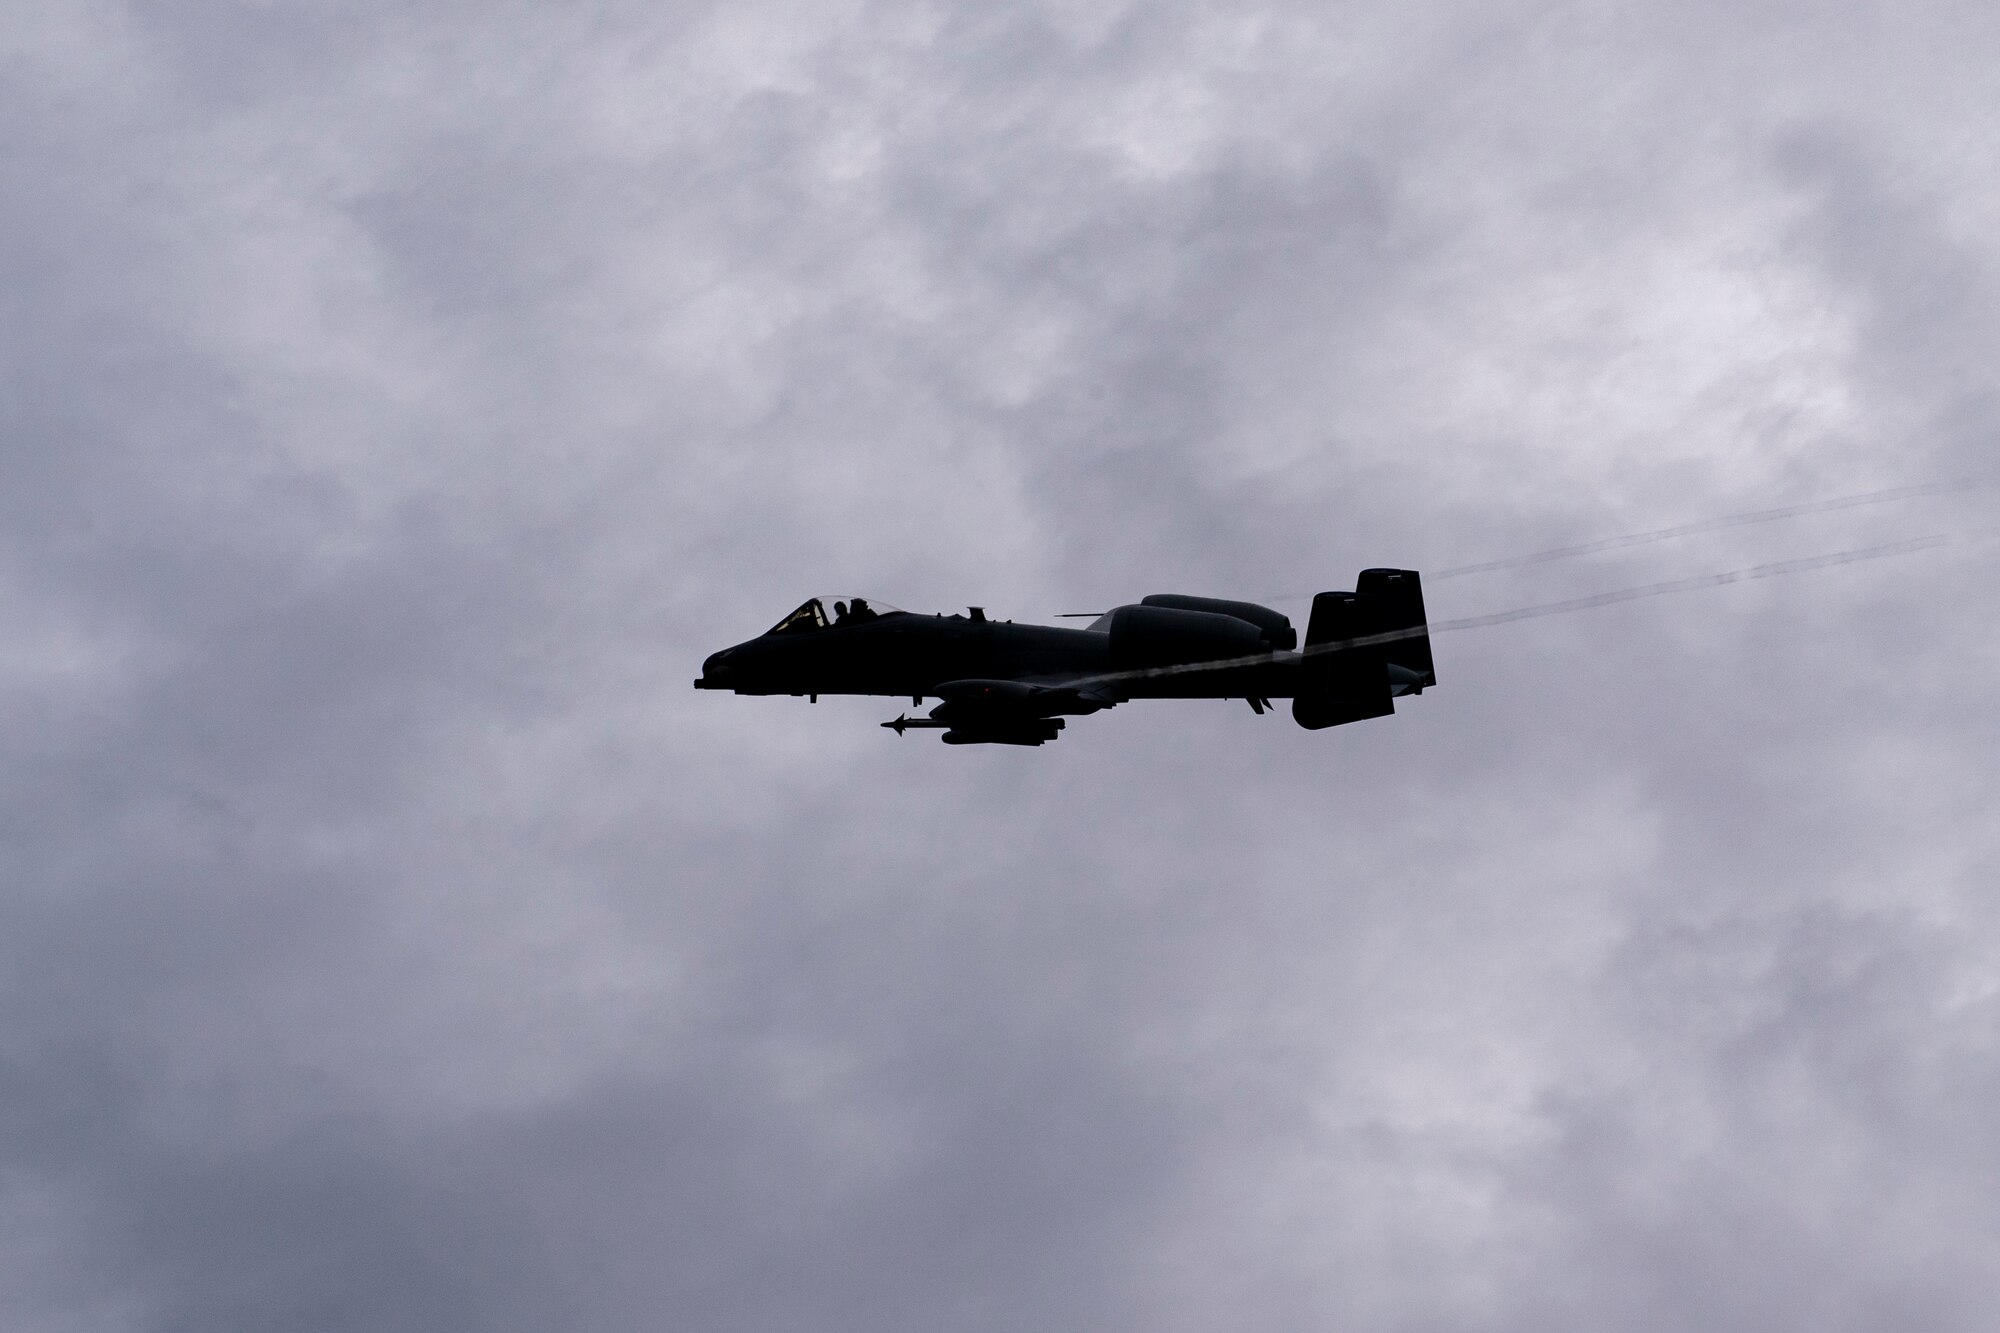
(1693, 583)
(1773, 570)
(1709, 525)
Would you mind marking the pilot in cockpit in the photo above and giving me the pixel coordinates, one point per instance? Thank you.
(852, 614)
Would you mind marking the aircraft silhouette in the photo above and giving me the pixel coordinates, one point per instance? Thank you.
(1007, 684)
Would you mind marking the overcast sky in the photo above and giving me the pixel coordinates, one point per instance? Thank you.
(400, 400)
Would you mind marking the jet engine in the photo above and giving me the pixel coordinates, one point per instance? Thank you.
(1276, 628)
(1152, 635)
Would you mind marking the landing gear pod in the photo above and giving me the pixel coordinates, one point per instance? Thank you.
(1037, 732)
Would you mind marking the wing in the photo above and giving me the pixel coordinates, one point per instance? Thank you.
(1005, 712)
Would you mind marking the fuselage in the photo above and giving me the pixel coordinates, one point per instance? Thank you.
(910, 655)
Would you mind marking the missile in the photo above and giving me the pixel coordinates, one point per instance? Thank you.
(903, 723)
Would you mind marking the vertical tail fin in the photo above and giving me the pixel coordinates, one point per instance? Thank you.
(1398, 597)
(1341, 681)
(1344, 681)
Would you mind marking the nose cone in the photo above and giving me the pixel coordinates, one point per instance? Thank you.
(715, 672)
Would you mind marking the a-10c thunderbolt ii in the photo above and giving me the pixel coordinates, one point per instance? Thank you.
(1008, 684)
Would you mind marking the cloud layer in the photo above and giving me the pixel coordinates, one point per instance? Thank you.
(400, 401)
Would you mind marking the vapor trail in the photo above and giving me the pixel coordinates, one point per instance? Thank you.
(1708, 525)
(1775, 569)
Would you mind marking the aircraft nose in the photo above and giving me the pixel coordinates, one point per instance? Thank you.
(715, 672)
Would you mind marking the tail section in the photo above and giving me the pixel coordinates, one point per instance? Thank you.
(1398, 595)
(1363, 648)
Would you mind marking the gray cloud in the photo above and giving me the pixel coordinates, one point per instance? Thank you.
(399, 404)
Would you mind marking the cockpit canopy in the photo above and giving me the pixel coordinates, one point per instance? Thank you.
(813, 615)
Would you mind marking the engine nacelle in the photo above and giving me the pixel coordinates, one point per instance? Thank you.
(1276, 628)
(1151, 636)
